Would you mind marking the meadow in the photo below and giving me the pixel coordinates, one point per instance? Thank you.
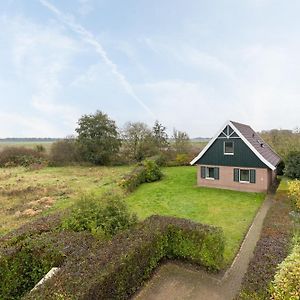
(177, 195)
(26, 194)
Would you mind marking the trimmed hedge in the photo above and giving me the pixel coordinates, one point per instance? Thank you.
(271, 249)
(147, 171)
(117, 269)
(286, 284)
(24, 263)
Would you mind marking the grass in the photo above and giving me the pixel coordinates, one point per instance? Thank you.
(26, 194)
(177, 195)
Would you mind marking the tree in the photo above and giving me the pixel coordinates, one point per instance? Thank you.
(160, 136)
(98, 138)
(292, 165)
(181, 141)
(137, 141)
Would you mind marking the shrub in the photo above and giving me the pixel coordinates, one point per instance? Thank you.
(152, 171)
(23, 266)
(104, 216)
(292, 165)
(148, 171)
(24, 263)
(117, 270)
(270, 250)
(182, 159)
(294, 193)
(286, 284)
(64, 152)
(20, 156)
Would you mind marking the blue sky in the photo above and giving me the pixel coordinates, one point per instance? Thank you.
(190, 64)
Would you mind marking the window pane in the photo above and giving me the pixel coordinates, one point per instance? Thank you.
(228, 147)
(244, 175)
(210, 172)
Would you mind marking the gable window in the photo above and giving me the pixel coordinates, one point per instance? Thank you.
(210, 172)
(228, 148)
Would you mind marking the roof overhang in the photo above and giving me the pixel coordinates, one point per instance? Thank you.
(267, 163)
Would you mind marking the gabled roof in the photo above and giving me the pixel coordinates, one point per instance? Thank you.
(261, 149)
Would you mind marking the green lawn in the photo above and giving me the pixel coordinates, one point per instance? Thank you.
(177, 195)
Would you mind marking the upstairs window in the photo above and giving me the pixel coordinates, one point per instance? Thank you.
(228, 148)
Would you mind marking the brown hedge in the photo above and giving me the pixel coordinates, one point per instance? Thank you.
(271, 249)
(118, 268)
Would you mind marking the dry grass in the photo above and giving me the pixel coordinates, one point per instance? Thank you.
(25, 194)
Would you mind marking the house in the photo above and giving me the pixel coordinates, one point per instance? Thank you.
(237, 158)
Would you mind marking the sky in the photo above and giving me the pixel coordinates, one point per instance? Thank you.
(191, 64)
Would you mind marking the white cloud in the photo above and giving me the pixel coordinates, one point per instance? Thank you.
(90, 39)
(18, 125)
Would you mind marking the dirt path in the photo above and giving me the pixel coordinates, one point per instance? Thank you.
(175, 281)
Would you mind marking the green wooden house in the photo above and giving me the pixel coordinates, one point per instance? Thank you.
(237, 158)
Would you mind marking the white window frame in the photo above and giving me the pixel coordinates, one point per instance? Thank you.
(243, 181)
(224, 148)
(207, 173)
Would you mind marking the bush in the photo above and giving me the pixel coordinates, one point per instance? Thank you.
(292, 165)
(182, 159)
(148, 171)
(294, 193)
(64, 152)
(286, 284)
(118, 269)
(104, 216)
(270, 250)
(24, 263)
(23, 266)
(21, 156)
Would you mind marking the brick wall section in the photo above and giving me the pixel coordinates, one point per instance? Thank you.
(264, 179)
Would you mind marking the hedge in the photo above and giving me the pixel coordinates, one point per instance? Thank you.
(25, 262)
(286, 284)
(147, 171)
(118, 268)
(271, 249)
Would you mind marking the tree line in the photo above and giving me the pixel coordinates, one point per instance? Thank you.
(99, 141)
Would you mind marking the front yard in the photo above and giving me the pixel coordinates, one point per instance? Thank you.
(177, 195)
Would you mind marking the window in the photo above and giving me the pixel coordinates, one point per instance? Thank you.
(244, 175)
(210, 172)
(228, 148)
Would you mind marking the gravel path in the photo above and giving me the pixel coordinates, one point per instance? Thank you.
(177, 281)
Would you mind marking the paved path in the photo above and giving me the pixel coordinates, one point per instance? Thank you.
(176, 281)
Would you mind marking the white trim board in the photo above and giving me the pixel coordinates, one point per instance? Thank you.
(267, 163)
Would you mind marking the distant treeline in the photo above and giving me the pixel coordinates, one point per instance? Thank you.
(28, 140)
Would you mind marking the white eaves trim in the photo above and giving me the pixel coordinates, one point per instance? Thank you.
(243, 139)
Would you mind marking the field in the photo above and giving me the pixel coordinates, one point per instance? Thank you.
(31, 145)
(177, 195)
(27, 194)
